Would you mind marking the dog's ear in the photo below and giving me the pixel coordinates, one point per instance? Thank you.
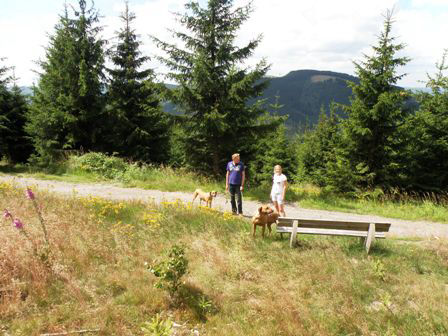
(260, 209)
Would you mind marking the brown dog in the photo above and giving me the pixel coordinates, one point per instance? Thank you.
(207, 197)
(266, 216)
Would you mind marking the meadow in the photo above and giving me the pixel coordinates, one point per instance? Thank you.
(94, 274)
(97, 167)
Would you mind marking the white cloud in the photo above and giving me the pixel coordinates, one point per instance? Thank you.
(319, 34)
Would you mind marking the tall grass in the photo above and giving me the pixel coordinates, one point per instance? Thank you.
(96, 277)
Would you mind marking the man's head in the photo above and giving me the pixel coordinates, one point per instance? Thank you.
(236, 158)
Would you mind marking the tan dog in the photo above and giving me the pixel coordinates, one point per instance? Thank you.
(207, 197)
(265, 217)
(272, 218)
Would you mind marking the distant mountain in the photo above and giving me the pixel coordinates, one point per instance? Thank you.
(303, 92)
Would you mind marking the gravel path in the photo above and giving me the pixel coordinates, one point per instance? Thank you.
(399, 228)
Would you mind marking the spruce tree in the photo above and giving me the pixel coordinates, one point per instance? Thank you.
(138, 126)
(14, 143)
(214, 88)
(272, 149)
(426, 135)
(377, 109)
(316, 148)
(67, 107)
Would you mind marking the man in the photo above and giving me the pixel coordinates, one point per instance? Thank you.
(235, 182)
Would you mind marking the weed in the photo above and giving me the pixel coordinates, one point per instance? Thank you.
(157, 327)
(379, 269)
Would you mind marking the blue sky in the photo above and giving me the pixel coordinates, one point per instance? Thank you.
(297, 34)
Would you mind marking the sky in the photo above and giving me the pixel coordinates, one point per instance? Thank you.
(297, 34)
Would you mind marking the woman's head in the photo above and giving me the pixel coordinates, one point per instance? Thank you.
(278, 169)
(236, 157)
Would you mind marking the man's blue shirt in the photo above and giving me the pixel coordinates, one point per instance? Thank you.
(235, 172)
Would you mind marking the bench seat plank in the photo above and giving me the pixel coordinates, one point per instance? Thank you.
(331, 232)
(332, 224)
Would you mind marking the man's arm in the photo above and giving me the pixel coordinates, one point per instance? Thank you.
(227, 181)
(243, 177)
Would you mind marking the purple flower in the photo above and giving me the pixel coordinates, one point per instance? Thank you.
(18, 224)
(29, 194)
(6, 214)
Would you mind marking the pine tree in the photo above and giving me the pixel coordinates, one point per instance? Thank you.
(376, 110)
(138, 126)
(67, 106)
(426, 135)
(14, 144)
(213, 89)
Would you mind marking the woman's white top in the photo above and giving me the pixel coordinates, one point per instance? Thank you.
(278, 184)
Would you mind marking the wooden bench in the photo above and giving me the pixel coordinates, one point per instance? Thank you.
(367, 231)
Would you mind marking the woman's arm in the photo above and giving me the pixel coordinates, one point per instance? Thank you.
(284, 189)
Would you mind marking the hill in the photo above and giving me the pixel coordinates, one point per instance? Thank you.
(303, 92)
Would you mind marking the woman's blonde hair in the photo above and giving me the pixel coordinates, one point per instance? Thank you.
(278, 167)
(235, 155)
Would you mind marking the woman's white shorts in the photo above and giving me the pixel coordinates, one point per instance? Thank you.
(277, 198)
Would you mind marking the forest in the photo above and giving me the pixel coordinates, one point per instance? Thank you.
(81, 104)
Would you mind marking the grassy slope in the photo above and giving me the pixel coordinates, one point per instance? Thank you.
(167, 179)
(96, 276)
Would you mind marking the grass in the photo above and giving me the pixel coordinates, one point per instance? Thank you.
(95, 167)
(96, 276)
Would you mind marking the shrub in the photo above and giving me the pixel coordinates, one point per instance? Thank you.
(110, 167)
(171, 270)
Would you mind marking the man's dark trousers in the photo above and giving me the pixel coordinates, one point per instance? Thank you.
(235, 189)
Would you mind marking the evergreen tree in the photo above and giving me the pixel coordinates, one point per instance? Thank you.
(67, 106)
(317, 148)
(14, 144)
(138, 126)
(426, 135)
(377, 109)
(213, 89)
(273, 149)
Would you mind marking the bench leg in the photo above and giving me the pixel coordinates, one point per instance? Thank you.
(370, 237)
(293, 239)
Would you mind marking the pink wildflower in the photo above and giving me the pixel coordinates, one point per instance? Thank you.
(29, 194)
(18, 224)
(6, 214)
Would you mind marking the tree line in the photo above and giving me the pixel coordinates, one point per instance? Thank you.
(81, 104)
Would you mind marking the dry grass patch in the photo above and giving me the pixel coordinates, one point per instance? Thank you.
(95, 276)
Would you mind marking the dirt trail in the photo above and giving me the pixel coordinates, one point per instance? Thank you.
(399, 228)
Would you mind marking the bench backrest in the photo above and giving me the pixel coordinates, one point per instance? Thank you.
(333, 224)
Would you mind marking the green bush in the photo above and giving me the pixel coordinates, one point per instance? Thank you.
(109, 167)
(171, 270)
